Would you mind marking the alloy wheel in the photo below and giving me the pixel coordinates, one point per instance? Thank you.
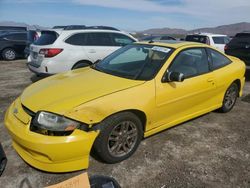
(122, 139)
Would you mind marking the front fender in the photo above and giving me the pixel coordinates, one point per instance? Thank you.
(133, 98)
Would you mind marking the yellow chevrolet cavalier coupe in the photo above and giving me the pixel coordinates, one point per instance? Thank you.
(137, 91)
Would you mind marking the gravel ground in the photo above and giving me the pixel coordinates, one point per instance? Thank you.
(210, 151)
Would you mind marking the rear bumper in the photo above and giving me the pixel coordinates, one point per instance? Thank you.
(48, 153)
(40, 71)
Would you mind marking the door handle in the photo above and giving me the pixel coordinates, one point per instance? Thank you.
(92, 51)
(210, 80)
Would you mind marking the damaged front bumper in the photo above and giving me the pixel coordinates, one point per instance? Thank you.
(48, 153)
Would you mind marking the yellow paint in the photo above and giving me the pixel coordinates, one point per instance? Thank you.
(90, 96)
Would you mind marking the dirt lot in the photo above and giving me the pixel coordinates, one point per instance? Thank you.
(210, 151)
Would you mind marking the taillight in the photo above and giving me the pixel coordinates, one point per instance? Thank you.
(225, 47)
(50, 52)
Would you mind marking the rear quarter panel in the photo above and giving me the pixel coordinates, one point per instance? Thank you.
(226, 75)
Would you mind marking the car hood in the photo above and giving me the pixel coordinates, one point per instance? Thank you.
(65, 91)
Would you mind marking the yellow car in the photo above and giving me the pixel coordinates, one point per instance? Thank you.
(137, 91)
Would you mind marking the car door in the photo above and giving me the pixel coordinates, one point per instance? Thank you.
(21, 39)
(98, 45)
(18, 41)
(180, 101)
(222, 73)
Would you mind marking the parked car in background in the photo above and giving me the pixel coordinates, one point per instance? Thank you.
(157, 37)
(60, 50)
(7, 29)
(32, 36)
(3, 159)
(216, 40)
(12, 45)
(135, 92)
(239, 47)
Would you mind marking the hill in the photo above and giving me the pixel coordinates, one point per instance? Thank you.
(230, 30)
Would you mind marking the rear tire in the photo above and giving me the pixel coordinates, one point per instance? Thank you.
(9, 54)
(3, 163)
(119, 137)
(230, 98)
(80, 65)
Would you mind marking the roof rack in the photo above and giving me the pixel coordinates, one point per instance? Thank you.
(102, 27)
(59, 27)
(75, 27)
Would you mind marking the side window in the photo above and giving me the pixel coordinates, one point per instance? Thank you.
(121, 40)
(167, 38)
(190, 62)
(11, 37)
(99, 39)
(218, 60)
(77, 39)
(21, 36)
(17, 37)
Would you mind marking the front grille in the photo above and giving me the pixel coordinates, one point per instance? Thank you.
(28, 111)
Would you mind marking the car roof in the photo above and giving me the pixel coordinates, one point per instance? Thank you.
(207, 34)
(90, 30)
(173, 44)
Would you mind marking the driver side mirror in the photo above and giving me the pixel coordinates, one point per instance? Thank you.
(173, 77)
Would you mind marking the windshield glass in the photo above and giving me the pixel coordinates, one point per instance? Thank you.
(138, 62)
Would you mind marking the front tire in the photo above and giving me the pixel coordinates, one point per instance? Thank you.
(119, 137)
(230, 98)
(9, 54)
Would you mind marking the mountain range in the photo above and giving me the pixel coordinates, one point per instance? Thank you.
(229, 30)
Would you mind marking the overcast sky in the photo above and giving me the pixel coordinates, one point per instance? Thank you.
(127, 14)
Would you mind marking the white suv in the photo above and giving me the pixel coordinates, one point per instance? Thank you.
(216, 40)
(65, 49)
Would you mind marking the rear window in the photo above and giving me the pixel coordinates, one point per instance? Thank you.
(46, 38)
(221, 40)
(196, 38)
(243, 35)
(239, 40)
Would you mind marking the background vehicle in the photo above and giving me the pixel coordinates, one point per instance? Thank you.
(59, 50)
(157, 37)
(3, 160)
(6, 29)
(32, 36)
(12, 45)
(216, 40)
(239, 47)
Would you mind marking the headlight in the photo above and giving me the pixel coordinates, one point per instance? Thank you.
(54, 122)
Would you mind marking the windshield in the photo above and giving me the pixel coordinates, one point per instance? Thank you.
(137, 62)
